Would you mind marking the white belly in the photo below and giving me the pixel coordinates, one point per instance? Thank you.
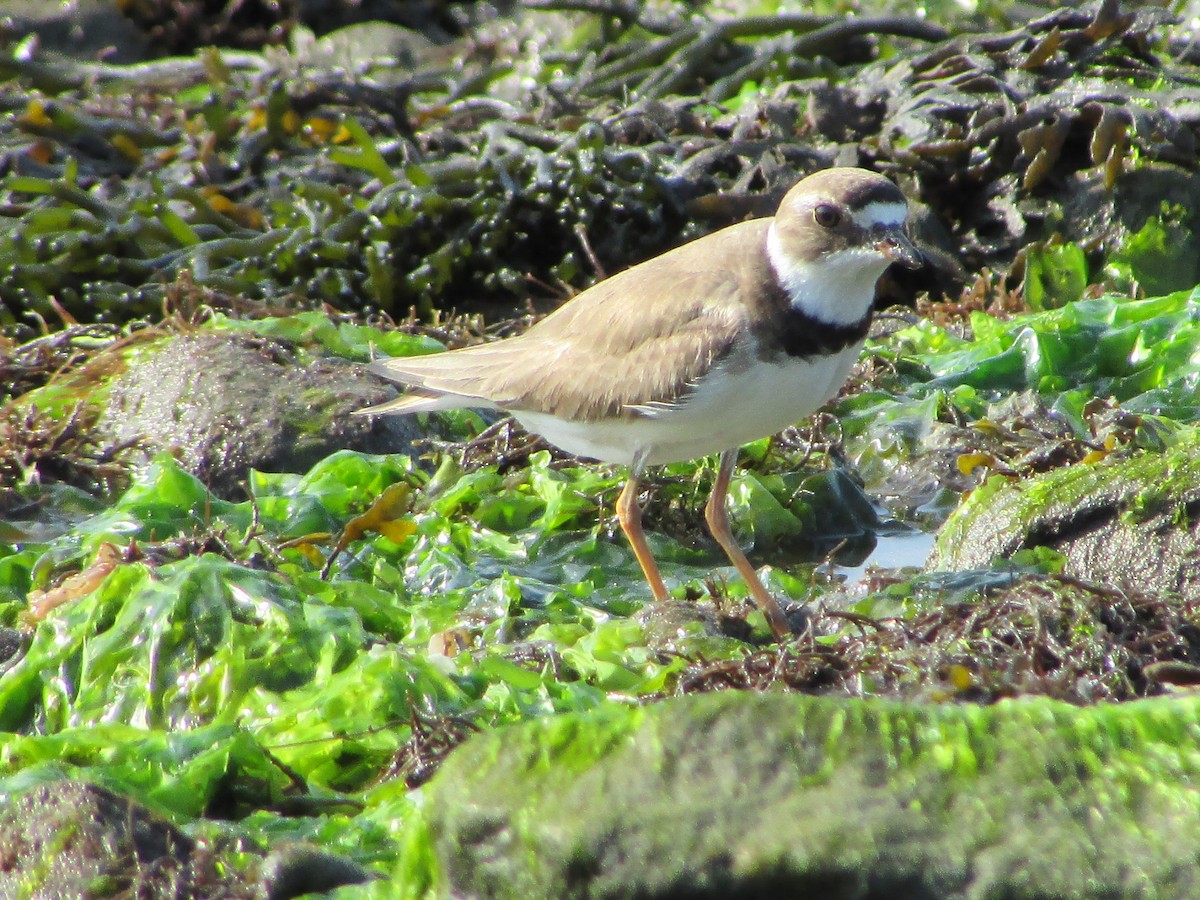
(726, 411)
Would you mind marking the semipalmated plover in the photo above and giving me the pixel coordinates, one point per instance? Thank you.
(722, 341)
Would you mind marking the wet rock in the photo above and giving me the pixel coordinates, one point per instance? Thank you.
(182, 26)
(12, 642)
(299, 869)
(83, 28)
(224, 404)
(702, 631)
(357, 46)
(846, 115)
(1094, 216)
(70, 839)
(672, 626)
(1130, 522)
(749, 795)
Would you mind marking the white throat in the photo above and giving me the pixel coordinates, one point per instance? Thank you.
(837, 288)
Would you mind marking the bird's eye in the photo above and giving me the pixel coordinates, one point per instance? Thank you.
(826, 215)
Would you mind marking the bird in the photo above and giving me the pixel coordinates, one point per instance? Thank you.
(716, 343)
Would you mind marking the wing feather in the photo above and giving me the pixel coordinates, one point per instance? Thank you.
(641, 339)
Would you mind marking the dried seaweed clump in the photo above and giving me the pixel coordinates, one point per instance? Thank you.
(39, 447)
(499, 213)
(1013, 136)
(1058, 637)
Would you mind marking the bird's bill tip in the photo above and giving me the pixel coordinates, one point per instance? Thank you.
(897, 247)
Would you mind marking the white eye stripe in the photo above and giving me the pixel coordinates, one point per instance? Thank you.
(875, 214)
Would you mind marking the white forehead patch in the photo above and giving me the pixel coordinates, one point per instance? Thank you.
(876, 214)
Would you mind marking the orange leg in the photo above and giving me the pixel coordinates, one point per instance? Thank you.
(718, 523)
(629, 514)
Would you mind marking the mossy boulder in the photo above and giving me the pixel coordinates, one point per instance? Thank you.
(748, 795)
(1129, 521)
(228, 403)
(71, 839)
(68, 838)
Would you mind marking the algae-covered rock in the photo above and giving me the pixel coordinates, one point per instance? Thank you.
(70, 839)
(226, 403)
(741, 795)
(1126, 521)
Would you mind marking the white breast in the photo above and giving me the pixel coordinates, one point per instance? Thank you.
(728, 408)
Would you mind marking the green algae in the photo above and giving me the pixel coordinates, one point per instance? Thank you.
(1141, 355)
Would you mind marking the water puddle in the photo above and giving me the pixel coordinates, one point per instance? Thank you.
(902, 550)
